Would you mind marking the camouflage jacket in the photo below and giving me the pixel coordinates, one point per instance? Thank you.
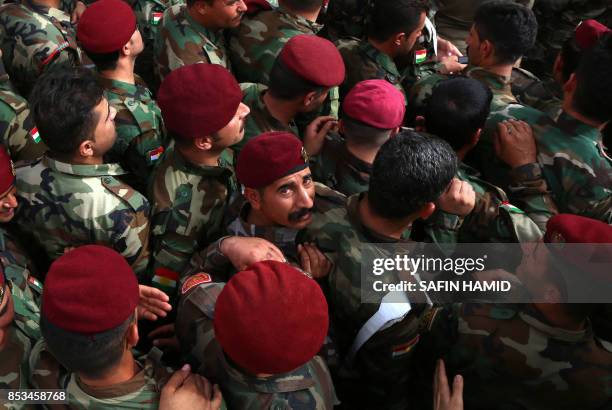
(576, 167)
(308, 387)
(181, 41)
(34, 38)
(149, 14)
(17, 130)
(546, 96)
(141, 136)
(259, 39)
(140, 392)
(189, 206)
(336, 167)
(18, 265)
(65, 205)
(346, 18)
(511, 358)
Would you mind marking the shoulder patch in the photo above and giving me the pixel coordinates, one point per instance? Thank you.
(194, 281)
(17, 103)
(128, 194)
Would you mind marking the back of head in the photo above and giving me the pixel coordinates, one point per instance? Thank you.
(62, 103)
(586, 36)
(457, 108)
(302, 6)
(389, 17)
(594, 82)
(510, 27)
(410, 171)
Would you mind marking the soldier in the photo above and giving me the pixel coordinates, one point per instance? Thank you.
(373, 112)
(36, 35)
(108, 34)
(258, 336)
(70, 197)
(300, 81)
(195, 180)
(531, 356)
(378, 352)
(17, 130)
(193, 33)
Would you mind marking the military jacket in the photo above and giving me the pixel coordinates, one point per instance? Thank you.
(67, 205)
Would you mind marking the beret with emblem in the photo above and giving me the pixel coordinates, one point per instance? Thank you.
(271, 318)
(268, 157)
(197, 100)
(89, 290)
(375, 103)
(314, 59)
(7, 172)
(106, 26)
(589, 32)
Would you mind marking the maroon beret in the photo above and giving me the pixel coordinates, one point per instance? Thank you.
(314, 59)
(199, 99)
(106, 26)
(271, 318)
(89, 290)
(589, 32)
(376, 103)
(254, 6)
(7, 172)
(268, 157)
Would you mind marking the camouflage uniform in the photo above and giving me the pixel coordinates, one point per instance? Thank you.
(189, 206)
(259, 39)
(34, 38)
(141, 137)
(18, 265)
(181, 41)
(307, 387)
(140, 392)
(545, 96)
(66, 205)
(511, 358)
(17, 131)
(346, 18)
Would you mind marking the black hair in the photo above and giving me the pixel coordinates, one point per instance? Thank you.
(363, 134)
(106, 61)
(303, 6)
(570, 55)
(389, 17)
(286, 85)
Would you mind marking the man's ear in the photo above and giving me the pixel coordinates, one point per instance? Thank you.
(203, 143)
(86, 148)
(131, 335)
(397, 38)
(419, 124)
(201, 7)
(426, 210)
(487, 49)
(395, 131)
(252, 195)
(310, 98)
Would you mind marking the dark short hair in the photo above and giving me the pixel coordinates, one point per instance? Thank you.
(409, 171)
(456, 109)
(62, 103)
(510, 27)
(106, 61)
(389, 17)
(286, 85)
(302, 5)
(92, 355)
(594, 82)
(363, 134)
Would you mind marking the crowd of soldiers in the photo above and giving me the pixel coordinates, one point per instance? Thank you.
(186, 188)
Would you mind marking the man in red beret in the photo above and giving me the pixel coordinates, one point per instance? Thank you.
(258, 337)
(202, 108)
(300, 81)
(373, 112)
(107, 32)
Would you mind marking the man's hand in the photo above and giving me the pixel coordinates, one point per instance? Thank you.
(153, 303)
(514, 143)
(186, 390)
(78, 11)
(243, 251)
(165, 338)
(458, 199)
(447, 49)
(314, 135)
(444, 399)
(313, 260)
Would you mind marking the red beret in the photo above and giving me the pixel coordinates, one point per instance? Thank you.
(7, 171)
(198, 99)
(376, 103)
(254, 6)
(106, 26)
(315, 59)
(89, 290)
(268, 157)
(589, 32)
(271, 318)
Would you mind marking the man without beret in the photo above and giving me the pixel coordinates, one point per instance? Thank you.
(195, 180)
(108, 34)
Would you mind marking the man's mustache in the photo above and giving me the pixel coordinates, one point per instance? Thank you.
(295, 216)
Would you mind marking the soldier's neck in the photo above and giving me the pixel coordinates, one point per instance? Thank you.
(385, 227)
(556, 315)
(569, 109)
(385, 47)
(124, 71)
(124, 371)
(283, 111)
(76, 159)
(365, 154)
(199, 157)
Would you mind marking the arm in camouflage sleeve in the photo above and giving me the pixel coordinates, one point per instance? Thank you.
(210, 260)
(15, 130)
(133, 244)
(141, 156)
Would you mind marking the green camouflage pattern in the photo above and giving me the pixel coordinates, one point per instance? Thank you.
(18, 265)
(308, 387)
(545, 96)
(189, 207)
(511, 357)
(346, 18)
(181, 41)
(255, 44)
(34, 38)
(140, 392)
(66, 205)
(141, 136)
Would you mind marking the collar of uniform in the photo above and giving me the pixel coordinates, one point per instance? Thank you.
(352, 210)
(298, 379)
(357, 164)
(275, 124)
(209, 35)
(381, 59)
(223, 169)
(137, 91)
(573, 126)
(116, 390)
(300, 21)
(494, 81)
(532, 317)
(83, 170)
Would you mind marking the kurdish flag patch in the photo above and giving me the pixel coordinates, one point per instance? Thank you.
(156, 17)
(35, 135)
(420, 56)
(510, 208)
(155, 154)
(165, 279)
(402, 349)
